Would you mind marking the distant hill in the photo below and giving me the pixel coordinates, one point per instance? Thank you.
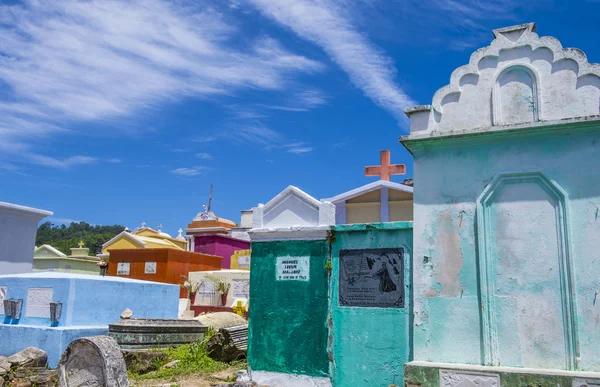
(63, 237)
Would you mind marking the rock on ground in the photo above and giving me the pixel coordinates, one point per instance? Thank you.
(221, 347)
(142, 362)
(29, 357)
(4, 365)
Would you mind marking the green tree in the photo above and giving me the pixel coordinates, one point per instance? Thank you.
(63, 237)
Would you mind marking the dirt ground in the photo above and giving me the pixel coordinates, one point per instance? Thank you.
(195, 380)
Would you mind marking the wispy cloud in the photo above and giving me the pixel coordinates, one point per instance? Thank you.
(195, 171)
(324, 22)
(204, 156)
(61, 163)
(300, 151)
(114, 161)
(71, 61)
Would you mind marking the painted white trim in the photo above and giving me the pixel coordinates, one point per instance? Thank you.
(291, 190)
(368, 188)
(384, 204)
(129, 236)
(103, 256)
(25, 210)
(50, 248)
(289, 234)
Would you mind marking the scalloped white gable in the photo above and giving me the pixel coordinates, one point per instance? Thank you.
(518, 79)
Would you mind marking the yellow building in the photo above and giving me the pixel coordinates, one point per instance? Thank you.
(47, 258)
(143, 238)
(241, 260)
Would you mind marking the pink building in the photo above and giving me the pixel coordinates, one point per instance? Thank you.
(209, 234)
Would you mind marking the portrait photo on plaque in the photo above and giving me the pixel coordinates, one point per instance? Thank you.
(372, 278)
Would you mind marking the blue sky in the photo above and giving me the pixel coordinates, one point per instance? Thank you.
(118, 112)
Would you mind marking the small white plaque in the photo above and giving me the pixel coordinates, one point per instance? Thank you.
(293, 268)
(150, 268)
(207, 288)
(123, 268)
(3, 293)
(38, 302)
(241, 288)
(244, 262)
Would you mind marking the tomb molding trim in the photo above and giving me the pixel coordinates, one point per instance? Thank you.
(564, 127)
(486, 274)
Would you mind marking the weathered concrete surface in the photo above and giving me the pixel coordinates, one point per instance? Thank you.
(93, 361)
(275, 379)
(220, 320)
(139, 333)
(369, 346)
(287, 324)
(506, 229)
(424, 374)
(4, 365)
(29, 357)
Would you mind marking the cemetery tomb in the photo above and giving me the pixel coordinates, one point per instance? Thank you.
(370, 330)
(18, 229)
(381, 201)
(289, 290)
(505, 218)
(51, 309)
(209, 234)
(208, 299)
(47, 258)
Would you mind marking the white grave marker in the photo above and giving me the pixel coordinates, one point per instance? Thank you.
(244, 262)
(3, 292)
(150, 268)
(38, 302)
(241, 288)
(123, 268)
(206, 287)
(293, 268)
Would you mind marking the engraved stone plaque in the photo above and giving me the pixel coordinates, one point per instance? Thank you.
(150, 268)
(241, 288)
(293, 268)
(244, 261)
(38, 302)
(450, 378)
(123, 268)
(372, 278)
(3, 293)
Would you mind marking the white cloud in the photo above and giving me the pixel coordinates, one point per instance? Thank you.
(325, 23)
(114, 161)
(301, 150)
(61, 163)
(195, 171)
(204, 156)
(68, 61)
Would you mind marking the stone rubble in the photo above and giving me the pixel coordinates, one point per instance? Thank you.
(29, 357)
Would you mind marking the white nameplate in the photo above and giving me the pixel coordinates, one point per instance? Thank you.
(293, 268)
(150, 268)
(3, 292)
(207, 288)
(244, 262)
(38, 302)
(241, 288)
(123, 268)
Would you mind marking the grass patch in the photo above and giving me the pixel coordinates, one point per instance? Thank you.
(193, 359)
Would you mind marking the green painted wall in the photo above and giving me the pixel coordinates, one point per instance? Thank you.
(370, 346)
(288, 319)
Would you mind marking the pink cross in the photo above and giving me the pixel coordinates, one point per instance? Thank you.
(385, 170)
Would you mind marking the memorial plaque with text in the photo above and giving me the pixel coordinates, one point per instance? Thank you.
(372, 278)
